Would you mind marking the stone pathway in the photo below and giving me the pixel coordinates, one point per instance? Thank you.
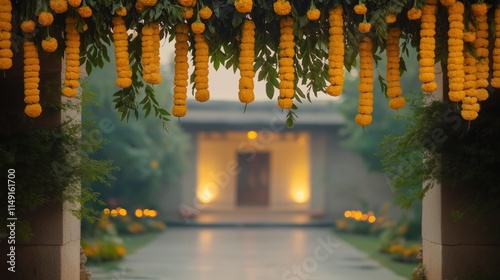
(248, 254)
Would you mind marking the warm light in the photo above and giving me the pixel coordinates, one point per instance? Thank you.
(122, 212)
(146, 212)
(347, 214)
(370, 213)
(114, 213)
(364, 217)
(153, 213)
(300, 196)
(206, 194)
(252, 134)
(372, 219)
(138, 213)
(154, 164)
(358, 215)
(106, 211)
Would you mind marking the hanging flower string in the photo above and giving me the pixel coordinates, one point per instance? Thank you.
(481, 43)
(336, 52)
(470, 107)
(455, 52)
(286, 70)
(365, 108)
(5, 35)
(427, 46)
(72, 52)
(202, 93)
(179, 108)
(31, 80)
(394, 90)
(495, 80)
(246, 61)
(120, 43)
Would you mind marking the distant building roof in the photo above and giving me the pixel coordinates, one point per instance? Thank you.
(258, 114)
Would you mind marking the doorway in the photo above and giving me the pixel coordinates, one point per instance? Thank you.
(253, 179)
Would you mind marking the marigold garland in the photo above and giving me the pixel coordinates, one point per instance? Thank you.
(390, 18)
(365, 108)
(58, 6)
(246, 61)
(188, 13)
(28, 26)
(495, 80)
(394, 90)
(181, 66)
(286, 70)
(5, 35)
(150, 53)
(447, 3)
(313, 13)
(74, 3)
(455, 49)
(72, 53)
(201, 52)
(481, 45)
(122, 11)
(336, 52)
(364, 26)
(282, 7)
(243, 6)
(427, 46)
(120, 43)
(31, 80)
(50, 44)
(470, 107)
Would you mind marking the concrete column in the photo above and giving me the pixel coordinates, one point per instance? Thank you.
(54, 251)
(456, 250)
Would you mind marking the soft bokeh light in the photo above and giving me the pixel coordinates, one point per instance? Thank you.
(206, 195)
(347, 214)
(122, 212)
(138, 213)
(106, 211)
(300, 195)
(252, 134)
(114, 213)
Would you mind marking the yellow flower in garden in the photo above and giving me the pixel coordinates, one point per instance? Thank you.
(313, 14)
(85, 11)
(28, 26)
(205, 12)
(360, 9)
(243, 6)
(49, 45)
(282, 7)
(364, 27)
(45, 18)
(414, 13)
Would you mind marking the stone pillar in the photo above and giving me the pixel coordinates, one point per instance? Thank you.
(54, 251)
(456, 250)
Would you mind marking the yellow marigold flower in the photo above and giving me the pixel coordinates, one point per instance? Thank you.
(414, 13)
(179, 111)
(469, 115)
(479, 9)
(58, 6)
(313, 14)
(364, 27)
(49, 45)
(31, 99)
(360, 9)
(74, 3)
(447, 3)
(282, 7)
(205, 12)
(33, 110)
(198, 27)
(243, 6)
(69, 92)
(363, 120)
(390, 18)
(28, 26)
(122, 11)
(285, 103)
(85, 11)
(45, 18)
(186, 3)
(469, 36)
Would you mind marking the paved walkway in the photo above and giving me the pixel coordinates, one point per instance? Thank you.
(248, 254)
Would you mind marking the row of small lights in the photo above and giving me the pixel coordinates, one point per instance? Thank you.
(360, 216)
(118, 211)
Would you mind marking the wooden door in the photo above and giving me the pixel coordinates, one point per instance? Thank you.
(253, 179)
